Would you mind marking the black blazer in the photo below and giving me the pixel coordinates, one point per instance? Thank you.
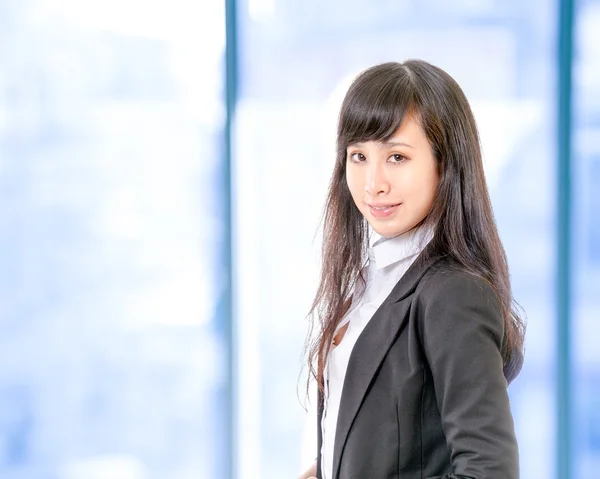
(425, 395)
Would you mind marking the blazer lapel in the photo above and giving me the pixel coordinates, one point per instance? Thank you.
(370, 350)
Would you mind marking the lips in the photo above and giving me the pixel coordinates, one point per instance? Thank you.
(383, 207)
(381, 210)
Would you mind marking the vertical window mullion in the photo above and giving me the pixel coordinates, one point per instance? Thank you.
(564, 126)
(231, 88)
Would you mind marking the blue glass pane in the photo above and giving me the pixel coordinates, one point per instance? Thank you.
(111, 119)
(586, 241)
(297, 59)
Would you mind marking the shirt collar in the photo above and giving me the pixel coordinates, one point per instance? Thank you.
(387, 251)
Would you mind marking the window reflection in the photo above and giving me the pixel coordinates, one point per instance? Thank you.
(586, 240)
(293, 59)
(110, 152)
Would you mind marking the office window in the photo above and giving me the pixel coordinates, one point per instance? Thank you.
(111, 121)
(586, 240)
(296, 60)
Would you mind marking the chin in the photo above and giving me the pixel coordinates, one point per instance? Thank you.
(390, 231)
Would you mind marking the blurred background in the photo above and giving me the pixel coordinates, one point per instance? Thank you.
(163, 167)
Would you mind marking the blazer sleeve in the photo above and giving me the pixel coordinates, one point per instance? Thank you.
(462, 332)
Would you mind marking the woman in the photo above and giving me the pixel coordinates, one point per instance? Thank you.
(417, 335)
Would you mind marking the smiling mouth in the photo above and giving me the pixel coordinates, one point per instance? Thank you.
(381, 211)
(383, 207)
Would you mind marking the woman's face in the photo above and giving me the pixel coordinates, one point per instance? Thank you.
(393, 183)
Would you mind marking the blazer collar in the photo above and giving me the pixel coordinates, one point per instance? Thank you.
(410, 280)
(370, 350)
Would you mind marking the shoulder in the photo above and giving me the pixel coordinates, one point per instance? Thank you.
(449, 298)
(446, 279)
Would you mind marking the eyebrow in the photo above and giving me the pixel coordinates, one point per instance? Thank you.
(386, 143)
(397, 143)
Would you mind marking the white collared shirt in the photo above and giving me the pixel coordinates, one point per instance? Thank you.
(389, 259)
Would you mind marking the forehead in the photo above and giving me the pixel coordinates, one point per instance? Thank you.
(409, 134)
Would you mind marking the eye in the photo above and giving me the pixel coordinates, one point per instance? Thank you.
(397, 158)
(357, 157)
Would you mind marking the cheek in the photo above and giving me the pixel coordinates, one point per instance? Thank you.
(421, 185)
(430, 181)
(354, 182)
(430, 187)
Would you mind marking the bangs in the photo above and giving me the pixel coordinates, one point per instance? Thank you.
(376, 104)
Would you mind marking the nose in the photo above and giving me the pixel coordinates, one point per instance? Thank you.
(376, 181)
